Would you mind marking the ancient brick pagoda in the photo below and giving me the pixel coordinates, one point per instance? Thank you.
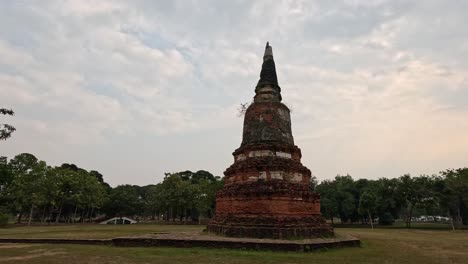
(267, 192)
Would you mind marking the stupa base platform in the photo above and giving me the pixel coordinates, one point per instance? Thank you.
(271, 232)
(213, 241)
(201, 240)
(275, 227)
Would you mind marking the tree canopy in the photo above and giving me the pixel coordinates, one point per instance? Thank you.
(31, 189)
(404, 197)
(68, 193)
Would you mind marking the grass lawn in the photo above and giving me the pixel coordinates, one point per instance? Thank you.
(90, 231)
(402, 225)
(380, 246)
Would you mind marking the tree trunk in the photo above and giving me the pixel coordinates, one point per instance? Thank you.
(20, 215)
(49, 217)
(409, 210)
(30, 215)
(91, 214)
(74, 214)
(409, 218)
(406, 217)
(43, 215)
(459, 218)
(83, 213)
(451, 221)
(57, 219)
(370, 219)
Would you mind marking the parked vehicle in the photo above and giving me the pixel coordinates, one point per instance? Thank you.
(119, 221)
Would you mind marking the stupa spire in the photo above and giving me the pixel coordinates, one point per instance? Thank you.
(267, 88)
(268, 73)
(268, 52)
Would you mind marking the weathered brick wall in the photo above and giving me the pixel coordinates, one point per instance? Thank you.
(273, 206)
(273, 146)
(267, 121)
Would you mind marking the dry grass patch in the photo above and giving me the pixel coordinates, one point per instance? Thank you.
(382, 246)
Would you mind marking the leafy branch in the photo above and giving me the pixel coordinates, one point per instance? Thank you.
(5, 129)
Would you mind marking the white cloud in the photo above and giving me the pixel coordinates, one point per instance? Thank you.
(374, 85)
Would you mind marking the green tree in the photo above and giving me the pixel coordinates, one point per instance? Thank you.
(89, 195)
(6, 177)
(346, 197)
(339, 198)
(124, 200)
(388, 201)
(206, 196)
(455, 194)
(413, 192)
(187, 195)
(77, 191)
(367, 205)
(64, 183)
(27, 188)
(153, 201)
(328, 199)
(5, 129)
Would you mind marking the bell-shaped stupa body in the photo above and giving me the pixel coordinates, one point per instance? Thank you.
(267, 191)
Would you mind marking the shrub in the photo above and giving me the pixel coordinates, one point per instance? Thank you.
(386, 219)
(3, 219)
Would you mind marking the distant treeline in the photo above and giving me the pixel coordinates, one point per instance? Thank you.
(31, 190)
(385, 199)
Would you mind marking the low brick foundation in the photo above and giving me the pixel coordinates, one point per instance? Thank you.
(276, 227)
(202, 241)
(250, 244)
(57, 241)
(269, 232)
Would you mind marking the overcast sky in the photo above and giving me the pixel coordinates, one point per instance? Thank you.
(134, 89)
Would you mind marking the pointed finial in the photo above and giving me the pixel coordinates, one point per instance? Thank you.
(268, 51)
(268, 78)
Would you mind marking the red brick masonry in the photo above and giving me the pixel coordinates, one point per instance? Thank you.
(267, 190)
